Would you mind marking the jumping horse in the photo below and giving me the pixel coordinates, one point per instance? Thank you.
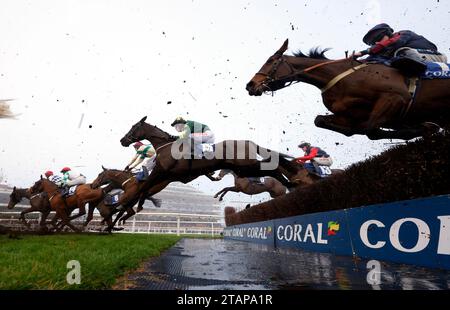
(365, 98)
(239, 156)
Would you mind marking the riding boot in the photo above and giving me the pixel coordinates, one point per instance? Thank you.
(145, 172)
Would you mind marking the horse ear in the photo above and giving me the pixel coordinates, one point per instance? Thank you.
(104, 169)
(143, 119)
(41, 177)
(14, 188)
(283, 48)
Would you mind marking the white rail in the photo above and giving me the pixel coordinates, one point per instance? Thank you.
(146, 226)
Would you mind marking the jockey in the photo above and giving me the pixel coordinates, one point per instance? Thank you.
(385, 45)
(71, 178)
(315, 155)
(198, 132)
(54, 178)
(146, 155)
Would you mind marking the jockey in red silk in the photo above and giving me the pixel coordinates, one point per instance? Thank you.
(315, 155)
(387, 45)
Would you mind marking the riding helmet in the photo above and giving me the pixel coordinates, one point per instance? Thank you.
(178, 120)
(138, 144)
(48, 173)
(303, 144)
(377, 33)
(65, 169)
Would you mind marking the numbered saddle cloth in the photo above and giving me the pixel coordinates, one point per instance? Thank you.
(112, 198)
(324, 171)
(72, 190)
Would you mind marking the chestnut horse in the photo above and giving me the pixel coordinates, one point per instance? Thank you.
(131, 187)
(246, 186)
(64, 206)
(239, 156)
(39, 202)
(365, 98)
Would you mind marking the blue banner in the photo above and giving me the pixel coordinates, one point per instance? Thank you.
(412, 232)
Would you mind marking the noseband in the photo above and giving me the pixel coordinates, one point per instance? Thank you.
(270, 77)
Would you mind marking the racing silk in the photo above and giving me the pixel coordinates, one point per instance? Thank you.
(312, 152)
(403, 38)
(70, 175)
(56, 179)
(192, 127)
(144, 151)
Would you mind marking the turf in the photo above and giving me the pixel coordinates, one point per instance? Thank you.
(40, 262)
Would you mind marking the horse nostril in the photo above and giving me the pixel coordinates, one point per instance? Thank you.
(249, 85)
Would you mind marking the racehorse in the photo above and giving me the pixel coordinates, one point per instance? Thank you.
(39, 202)
(239, 156)
(64, 206)
(365, 98)
(246, 186)
(126, 181)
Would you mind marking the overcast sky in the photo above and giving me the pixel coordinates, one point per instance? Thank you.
(82, 72)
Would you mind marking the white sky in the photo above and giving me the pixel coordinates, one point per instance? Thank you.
(72, 64)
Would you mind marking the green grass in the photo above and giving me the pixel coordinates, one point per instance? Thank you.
(40, 262)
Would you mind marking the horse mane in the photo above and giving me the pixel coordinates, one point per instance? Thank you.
(315, 52)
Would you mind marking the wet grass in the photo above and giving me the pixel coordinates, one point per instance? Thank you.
(40, 262)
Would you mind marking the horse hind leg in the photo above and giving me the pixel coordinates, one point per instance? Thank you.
(130, 213)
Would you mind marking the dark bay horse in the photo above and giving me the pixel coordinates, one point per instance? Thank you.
(246, 186)
(239, 156)
(39, 202)
(64, 206)
(126, 181)
(367, 99)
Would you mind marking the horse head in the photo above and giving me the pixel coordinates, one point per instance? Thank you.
(142, 130)
(280, 70)
(14, 198)
(110, 176)
(272, 74)
(135, 134)
(102, 178)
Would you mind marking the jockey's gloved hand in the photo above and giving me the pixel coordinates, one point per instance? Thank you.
(173, 137)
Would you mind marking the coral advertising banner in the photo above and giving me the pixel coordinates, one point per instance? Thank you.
(412, 231)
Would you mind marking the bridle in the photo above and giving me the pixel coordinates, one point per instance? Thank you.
(271, 78)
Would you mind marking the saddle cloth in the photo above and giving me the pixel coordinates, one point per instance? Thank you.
(207, 147)
(112, 197)
(72, 190)
(436, 70)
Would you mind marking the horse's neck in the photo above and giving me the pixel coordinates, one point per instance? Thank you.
(156, 136)
(23, 192)
(119, 177)
(318, 76)
(49, 187)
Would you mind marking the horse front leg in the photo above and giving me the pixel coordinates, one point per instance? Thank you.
(42, 223)
(82, 210)
(22, 216)
(226, 190)
(130, 213)
(90, 215)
